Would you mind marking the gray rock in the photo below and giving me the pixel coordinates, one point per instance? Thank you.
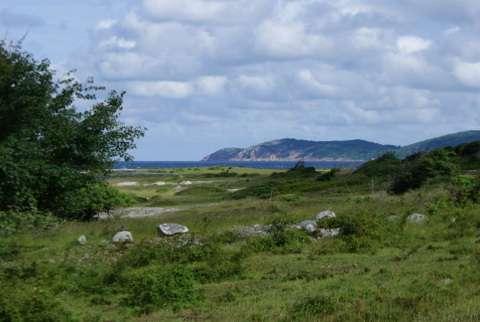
(326, 214)
(393, 218)
(252, 231)
(328, 233)
(416, 218)
(171, 229)
(123, 237)
(310, 226)
(82, 240)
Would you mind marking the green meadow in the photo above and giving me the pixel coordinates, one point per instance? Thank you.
(382, 266)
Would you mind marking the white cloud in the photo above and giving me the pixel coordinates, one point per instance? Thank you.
(290, 40)
(307, 78)
(412, 44)
(468, 73)
(211, 85)
(117, 42)
(194, 10)
(106, 24)
(162, 89)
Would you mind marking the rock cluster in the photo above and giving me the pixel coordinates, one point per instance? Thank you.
(311, 226)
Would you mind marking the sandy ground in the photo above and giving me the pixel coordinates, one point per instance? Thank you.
(137, 212)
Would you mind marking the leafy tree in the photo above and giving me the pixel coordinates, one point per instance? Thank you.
(417, 169)
(50, 149)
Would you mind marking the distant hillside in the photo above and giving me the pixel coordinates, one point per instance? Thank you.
(351, 150)
(291, 150)
(451, 140)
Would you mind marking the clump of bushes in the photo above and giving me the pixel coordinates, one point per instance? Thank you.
(328, 176)
(92, 199)
(313, 307)
(31, 304)
(362, 231)
(465, 189)
(281, 239)
(416, 170)
(12, 222)
(161, 286)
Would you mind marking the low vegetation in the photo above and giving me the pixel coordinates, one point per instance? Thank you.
(382, 267)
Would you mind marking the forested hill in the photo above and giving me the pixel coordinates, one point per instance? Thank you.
(452, 140)
(291, 149)
(351, 150)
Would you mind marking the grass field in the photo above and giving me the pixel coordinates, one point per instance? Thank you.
(381, 268)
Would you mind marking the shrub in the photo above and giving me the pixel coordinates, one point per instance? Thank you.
(12, 222)
(88, 201)
(161, 286)
(418, 169)
(314, 306)
(31, 304)
(465, 190)
(384, 166)
(281, 239)
(220, 265)
(362, 231)
(328, 176)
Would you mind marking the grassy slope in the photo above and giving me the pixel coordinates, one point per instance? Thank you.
(400, 272)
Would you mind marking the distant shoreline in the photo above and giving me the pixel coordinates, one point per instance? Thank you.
(136, 165)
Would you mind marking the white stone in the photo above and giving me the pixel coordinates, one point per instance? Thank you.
(310, 226)
(326, 214)
(82, 240)
(326, 233)
(127, 184)
(416, 218)
(123, 237)
(172, 229)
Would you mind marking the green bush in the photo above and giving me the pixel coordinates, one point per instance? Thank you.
(418, 169)
(328, 176)
(31, 304)
(384, 166)
(88, 201)
(362, 231)
(465, 189)
(163, 286)
(313, 307)
(281, 239)
(220, 265)
(12, 222)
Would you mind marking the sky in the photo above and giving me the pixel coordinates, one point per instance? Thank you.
(207, 74)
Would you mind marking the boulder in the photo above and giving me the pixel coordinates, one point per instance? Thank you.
(416, 218)
(123, 237)
(82, 240)
(326, 214)
(171, 229)
(310, 226)
(327, 233)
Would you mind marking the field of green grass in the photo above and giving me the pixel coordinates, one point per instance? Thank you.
(381, 268)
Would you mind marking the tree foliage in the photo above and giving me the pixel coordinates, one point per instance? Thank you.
(52, 146)
(417, 169)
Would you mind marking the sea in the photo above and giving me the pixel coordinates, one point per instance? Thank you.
(244, 164)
